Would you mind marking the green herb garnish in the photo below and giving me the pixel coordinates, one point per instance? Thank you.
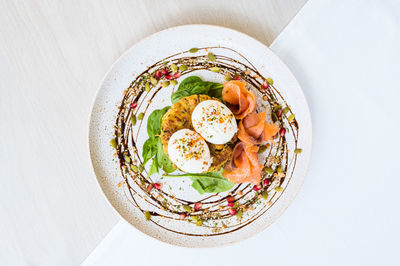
(113, 143)
(147, 216)
(212, 182)
(153, 146)
(195, 85)
(154, 121)
(298, 151)
(211, 56)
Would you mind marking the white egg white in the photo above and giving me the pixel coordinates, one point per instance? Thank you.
(189, 151)
(214, 121)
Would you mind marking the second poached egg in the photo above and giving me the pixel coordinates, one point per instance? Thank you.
(214, 121)
(189, 151)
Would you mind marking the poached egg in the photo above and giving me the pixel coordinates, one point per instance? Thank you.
(214, 121)
(189, 151)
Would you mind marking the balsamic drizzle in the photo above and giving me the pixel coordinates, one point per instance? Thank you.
(214, 211)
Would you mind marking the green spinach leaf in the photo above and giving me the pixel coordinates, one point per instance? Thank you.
(194, 85)
(153, 146)
(188, 80)
(149, 149)
(211, 182)
(154, 167)
(163, 160)
(154, 121)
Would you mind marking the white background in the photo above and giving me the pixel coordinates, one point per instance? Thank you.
(346, 56)
(53, 55)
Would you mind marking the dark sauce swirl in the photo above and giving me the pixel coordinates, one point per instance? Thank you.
(160, 205)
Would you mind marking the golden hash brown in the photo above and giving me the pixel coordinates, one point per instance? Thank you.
(179, 116)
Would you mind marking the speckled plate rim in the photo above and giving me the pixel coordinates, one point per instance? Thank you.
(289, 197)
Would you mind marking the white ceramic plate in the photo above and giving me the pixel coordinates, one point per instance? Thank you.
(104, 113)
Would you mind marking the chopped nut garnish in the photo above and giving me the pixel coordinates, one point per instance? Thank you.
(215, 212)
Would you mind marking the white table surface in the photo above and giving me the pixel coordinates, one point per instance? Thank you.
(53, 55)
(346, 56)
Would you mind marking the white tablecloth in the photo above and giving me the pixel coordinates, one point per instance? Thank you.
(53, 54)
(346, 56)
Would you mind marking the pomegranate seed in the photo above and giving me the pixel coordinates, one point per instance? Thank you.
(256, 187)
(169, 77)
(133, 105)
(282, 131)
(265, 85)
(197, 206)
(231, 204)
(158, 74)
(266, 182)
(157, 185)
(236, 78)
(177, 75)
(149, 187)
(183, 216)
(232, 211)
(279, 113)
(164, 72)
(230, 199)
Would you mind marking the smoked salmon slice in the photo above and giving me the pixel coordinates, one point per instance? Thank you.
(239, 100)
(243, 166)
(253, 129)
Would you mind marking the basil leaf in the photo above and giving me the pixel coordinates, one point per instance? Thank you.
(162, 159)
(211, 182)
(153, 146)
(214, 89)
(149, 149)
(154, 167)
(194, 85)
(154, 121)
(184, 88)
(188, 80)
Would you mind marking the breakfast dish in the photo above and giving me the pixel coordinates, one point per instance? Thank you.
(203, 146)
(198, 138)
(179, 116)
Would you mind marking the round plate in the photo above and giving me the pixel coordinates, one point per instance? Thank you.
(105, 109)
